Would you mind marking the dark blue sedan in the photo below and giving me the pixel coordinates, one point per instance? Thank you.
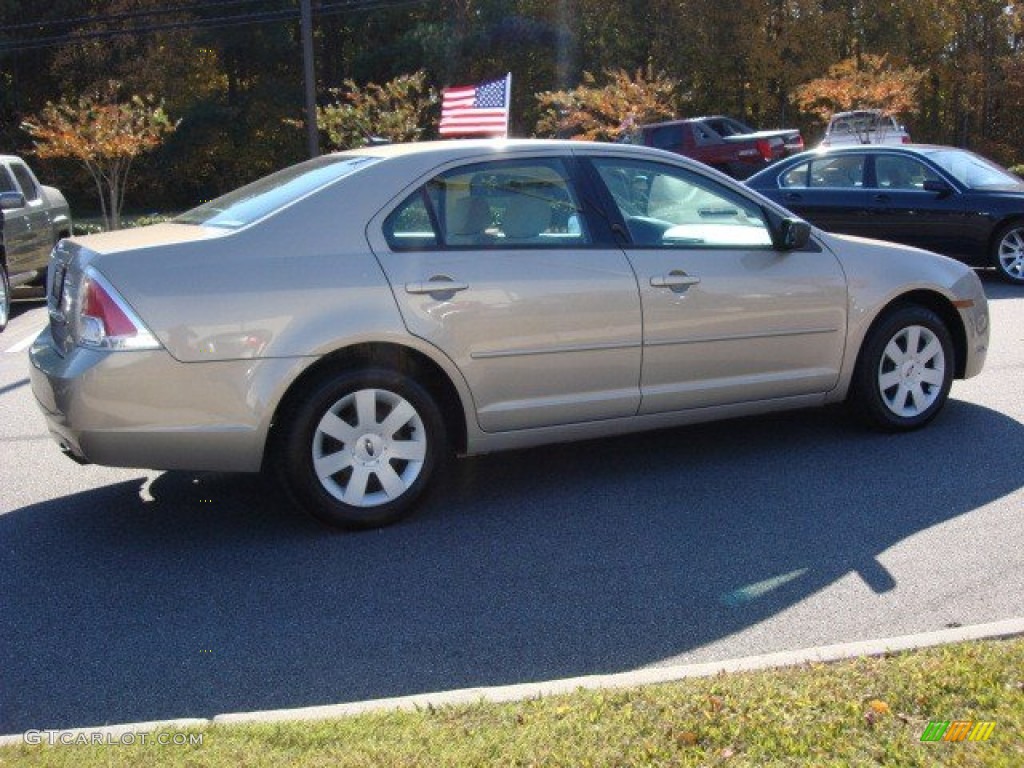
(943, 199)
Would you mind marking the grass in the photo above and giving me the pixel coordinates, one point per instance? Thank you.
(863, 712)
(91, 225)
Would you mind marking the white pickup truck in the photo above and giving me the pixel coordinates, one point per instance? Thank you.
(34, 218)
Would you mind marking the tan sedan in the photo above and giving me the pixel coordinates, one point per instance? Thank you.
(350, 322)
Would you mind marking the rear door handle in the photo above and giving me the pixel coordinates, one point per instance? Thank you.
(794, 196)
(674, 279)
(436, 284)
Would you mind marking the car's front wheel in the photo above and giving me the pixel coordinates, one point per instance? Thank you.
(5, 296)
(1008, 254)
(905, 370)
(359, 449)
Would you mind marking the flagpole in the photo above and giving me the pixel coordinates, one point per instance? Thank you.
(508, 100)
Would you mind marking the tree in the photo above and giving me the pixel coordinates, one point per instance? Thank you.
(608, 112)
(862, 82)
(105, 134)
(398, 110)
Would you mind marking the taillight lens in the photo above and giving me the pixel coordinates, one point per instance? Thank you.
(105, 320)
(765, 148)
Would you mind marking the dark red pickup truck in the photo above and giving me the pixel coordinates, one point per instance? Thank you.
(715, 141)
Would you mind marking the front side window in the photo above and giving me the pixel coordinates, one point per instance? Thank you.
(6, 182)
(503, 204)
(666, 206)
(903, 173)
(667, 137)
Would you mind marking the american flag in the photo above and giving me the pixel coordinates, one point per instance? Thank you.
(473, 110)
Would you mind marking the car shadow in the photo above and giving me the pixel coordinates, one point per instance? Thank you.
(194, 595)
(996, 288)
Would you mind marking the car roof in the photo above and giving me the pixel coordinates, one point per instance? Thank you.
(458, 147)
(860, 113)
(846, 149)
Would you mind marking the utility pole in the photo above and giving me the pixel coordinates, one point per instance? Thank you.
(306, 29)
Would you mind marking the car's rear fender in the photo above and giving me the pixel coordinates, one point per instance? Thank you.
(426, 366)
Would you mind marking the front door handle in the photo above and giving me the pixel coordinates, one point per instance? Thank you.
(436, 284)
(676, 279)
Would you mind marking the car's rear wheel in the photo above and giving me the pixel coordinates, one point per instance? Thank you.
(359, 449)
(1008, 254)
(905, 370)
(5, 296)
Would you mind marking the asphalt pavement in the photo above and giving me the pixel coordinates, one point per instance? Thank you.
(130, 595)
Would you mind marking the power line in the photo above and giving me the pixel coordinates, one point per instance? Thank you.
(242, 19)
(126, 15)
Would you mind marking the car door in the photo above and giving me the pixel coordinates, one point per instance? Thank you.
(906, 212)
(727, 317)
(830, 192)
(17, 231)
(31, 232)
(497, 265)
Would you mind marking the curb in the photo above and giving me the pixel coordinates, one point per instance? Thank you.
(505, 693)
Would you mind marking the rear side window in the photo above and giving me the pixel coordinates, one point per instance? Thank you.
(843, 171)
(411, 226)
(502, 204)
(29, 188)
(904, 173)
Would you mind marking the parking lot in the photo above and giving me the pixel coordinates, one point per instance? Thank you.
(131, 595)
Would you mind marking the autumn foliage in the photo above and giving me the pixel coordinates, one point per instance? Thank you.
(398, 110)
(862, 82)
(606, 112)
(105, 133)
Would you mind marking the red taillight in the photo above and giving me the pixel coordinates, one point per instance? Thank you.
(798, 145)
(906, 140)
(765, 148)
(105, 320)
(98, 305)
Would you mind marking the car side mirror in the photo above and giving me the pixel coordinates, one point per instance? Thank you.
(791, 234)
(10, 201)
(938, 186)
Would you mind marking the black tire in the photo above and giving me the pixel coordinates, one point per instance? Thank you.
(904, 371)
(1008, 253)
(341, 459)
(5, 296)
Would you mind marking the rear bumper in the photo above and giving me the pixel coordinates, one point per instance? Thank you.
(146, 409)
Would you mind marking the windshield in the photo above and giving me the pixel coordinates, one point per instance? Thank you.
(271, 193)
(973, 171)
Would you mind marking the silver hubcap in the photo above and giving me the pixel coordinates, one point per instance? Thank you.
(369, 447)
(1011, 254)
(911, 372)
